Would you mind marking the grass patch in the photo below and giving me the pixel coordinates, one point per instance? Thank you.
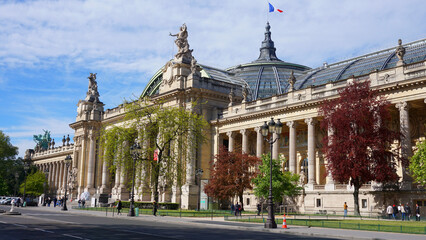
(172, 213)
(367, 225)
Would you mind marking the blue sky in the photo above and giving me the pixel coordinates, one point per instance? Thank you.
(48, 48)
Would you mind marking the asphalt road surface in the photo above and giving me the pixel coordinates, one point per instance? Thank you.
(39, 224)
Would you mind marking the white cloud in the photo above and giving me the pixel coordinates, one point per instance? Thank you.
(126, 42)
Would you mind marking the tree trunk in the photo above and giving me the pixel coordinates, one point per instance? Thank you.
(356, 199)
(241, 200)
(156, 172)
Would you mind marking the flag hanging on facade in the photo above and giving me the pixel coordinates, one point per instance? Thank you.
(272, 9)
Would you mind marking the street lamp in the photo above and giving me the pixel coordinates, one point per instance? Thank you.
(68, 161)
(46, 173)
(198, 173)
(134, 149)
(27, 163)
(16, 181)
(271, 128)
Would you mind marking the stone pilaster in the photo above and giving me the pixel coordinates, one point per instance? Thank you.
(231, 140)
(329, 184)
(275, 146)
(406, 149)
(259, 142)
(244, 133)
(311, 151)
(292, 146)
(91, 164)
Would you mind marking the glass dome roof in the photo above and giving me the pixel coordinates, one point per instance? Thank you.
(268, 75)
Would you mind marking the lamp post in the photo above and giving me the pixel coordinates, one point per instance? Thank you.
(16, 182)
(199, 173)
(134, 149)
(68, 161)
(271, 128)
(46, 173)
(26, 167)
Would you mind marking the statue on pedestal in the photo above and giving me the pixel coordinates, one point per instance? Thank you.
(400, 51)
(181, 41)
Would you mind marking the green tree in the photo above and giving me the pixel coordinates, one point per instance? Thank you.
(418, 163)
(231, 174)
(283, 183)
(35, 185)
(8, 165)
(172, 133)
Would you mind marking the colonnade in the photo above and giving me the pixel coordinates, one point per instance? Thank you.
(313, 162)
(56, 175)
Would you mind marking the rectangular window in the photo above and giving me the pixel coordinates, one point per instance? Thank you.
(364, 203)
(318, 202)
(248, 201)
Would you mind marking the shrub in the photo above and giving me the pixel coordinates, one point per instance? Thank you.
(149, 205)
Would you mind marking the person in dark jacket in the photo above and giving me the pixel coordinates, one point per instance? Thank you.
(408, 211)
(154, 208)
(417, 212)
(259, 208)
(119, 207)
(395, 211)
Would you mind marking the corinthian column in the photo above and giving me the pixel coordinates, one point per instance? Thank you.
(292, 146)
(275, 146)
(91, 164)
(259, 142)
(231, 136)
(311, 150)
(244, 133)
(406, 151)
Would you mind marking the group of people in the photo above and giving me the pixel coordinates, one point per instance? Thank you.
(395, 210)
(81, 202)
(236, 209)
(119, 206)
(18, 202)
(56, 202)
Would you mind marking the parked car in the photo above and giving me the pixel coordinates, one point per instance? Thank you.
(6, 201)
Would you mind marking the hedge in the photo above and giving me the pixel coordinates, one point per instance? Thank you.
(149, 205)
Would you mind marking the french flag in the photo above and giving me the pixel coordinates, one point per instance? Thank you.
(272, 9)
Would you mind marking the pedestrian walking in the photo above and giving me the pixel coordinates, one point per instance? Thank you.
(49, 201)
(154, 208)
(408, 212)
(389, 211)
(55, 200)
(18, 202)
(237, 208)
(119, 207)
(402, 212)
(259, 208)
(417, 212)
(79, 203)
(345, 210)
(232, 208)
(395, 211)
(83, 202)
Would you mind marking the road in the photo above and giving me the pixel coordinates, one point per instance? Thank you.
(39, 224)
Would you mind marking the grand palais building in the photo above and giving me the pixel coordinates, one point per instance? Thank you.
(237, 102)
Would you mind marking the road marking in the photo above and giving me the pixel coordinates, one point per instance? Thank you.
(149, 234)
(69, 235)
(3, 222)
(19, 225)
(43, 230)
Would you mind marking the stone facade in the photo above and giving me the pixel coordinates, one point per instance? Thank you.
(235, 115)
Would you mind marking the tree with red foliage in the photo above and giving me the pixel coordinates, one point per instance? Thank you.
(231, 174)
(358, 150)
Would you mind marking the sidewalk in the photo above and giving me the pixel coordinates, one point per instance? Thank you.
(219, 222)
